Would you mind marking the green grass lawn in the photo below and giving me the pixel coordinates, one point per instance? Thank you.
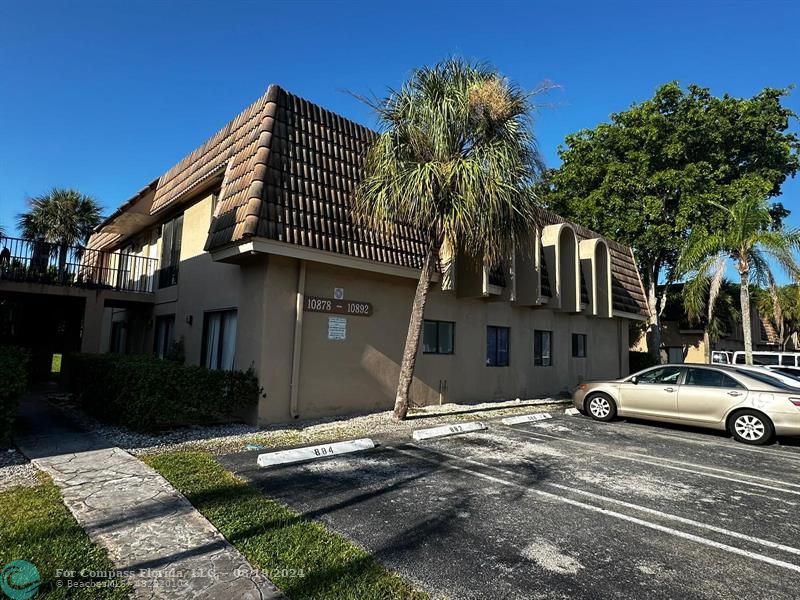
(37, 527)
(301, 556)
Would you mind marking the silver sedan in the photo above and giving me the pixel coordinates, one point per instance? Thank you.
(749, 402)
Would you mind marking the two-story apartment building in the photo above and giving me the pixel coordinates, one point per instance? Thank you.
(259, 264)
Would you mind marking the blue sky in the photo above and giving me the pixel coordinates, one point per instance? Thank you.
(106, 95)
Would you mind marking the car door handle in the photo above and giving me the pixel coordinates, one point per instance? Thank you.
(669, 389)
(732, 393)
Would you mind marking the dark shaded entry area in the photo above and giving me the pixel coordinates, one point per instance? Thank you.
(43, 324)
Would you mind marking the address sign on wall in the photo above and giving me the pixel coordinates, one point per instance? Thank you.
(338, 307)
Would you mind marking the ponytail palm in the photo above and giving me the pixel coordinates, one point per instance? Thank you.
(455, 160)
(747, 238)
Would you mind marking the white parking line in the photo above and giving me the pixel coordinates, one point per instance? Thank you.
(613, 449)
(692, 522)
(686, 464)
(604, 447)
(709, 440)
(652, 511)
(662, 528)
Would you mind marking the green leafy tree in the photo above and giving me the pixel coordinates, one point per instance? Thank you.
(63, 218)
(747, 237)
(648, 176)
(455, 159)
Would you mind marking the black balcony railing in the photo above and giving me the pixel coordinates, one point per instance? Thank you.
(43, 262)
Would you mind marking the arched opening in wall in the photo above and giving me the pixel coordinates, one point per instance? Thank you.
(568, 269)
(602, 280)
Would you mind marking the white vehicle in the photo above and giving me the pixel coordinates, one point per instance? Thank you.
(784, 359)
(793, 372)
(788, 379)
(721, 357)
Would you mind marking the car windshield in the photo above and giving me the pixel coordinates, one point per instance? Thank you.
(768, 379)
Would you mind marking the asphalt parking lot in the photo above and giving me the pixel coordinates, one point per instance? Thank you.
(563, 508)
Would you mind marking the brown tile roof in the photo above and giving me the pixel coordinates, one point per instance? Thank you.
(289, 168)
(102, 239)
(306, 166)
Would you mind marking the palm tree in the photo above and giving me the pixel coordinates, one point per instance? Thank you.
(782, 303)
(749, 239)
(456, 160)
(708, 301)
(62, 217)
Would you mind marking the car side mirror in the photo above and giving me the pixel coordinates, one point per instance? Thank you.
(634, 380)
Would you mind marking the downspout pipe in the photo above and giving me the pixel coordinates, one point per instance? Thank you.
(294, 409)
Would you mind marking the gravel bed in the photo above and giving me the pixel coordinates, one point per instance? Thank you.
(222, 439)
(16, 470)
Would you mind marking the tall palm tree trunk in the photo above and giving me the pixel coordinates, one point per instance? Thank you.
(653, 333)
(62, 261)
(713, 294)
(414, 330)
(744, 298)
(706, 346)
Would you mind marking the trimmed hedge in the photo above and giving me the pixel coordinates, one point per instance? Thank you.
(145, 393)
(13, 382)
(640, 360)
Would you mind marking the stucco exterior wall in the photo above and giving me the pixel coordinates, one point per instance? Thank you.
(360, 373)
(203, 285)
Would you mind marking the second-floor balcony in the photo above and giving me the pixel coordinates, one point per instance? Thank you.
(43, 262)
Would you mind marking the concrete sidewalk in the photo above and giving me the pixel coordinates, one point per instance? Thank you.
(165, 546)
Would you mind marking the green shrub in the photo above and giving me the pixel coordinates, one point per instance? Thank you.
(640, 360)
(13, 382)
(146, 393)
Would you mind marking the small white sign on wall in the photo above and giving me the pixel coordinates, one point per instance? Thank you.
(337, 328)
(338, 293)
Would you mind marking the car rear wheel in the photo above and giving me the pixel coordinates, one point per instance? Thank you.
(751, 427)
(601, 407)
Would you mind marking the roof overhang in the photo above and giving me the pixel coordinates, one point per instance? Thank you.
(132, 215)
(237, 252)
(629, 315)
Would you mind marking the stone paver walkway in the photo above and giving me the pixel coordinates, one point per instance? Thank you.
(151, 532)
